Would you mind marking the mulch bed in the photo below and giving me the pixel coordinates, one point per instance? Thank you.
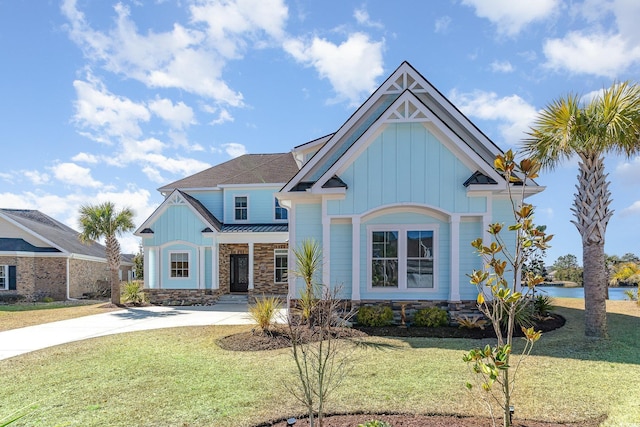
(278, 337)
(412, 420)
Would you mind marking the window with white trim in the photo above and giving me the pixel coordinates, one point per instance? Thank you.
(281, 261)
(4, 277)
(179, 265)
(401, 257)
(281, 213)
(241, 206)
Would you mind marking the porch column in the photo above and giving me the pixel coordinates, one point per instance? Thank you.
(355, 259)
(326, 250)
(454, 289)
(250, 287)
(201, 267)
(215, 266)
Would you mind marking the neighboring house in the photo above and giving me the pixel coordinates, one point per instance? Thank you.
(41, 257)
(394, 198)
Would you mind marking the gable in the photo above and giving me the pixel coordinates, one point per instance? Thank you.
(404, 97)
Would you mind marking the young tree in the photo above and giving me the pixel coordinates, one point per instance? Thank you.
(98, 221)
(608, 123)
(138, 261)
(499, 297)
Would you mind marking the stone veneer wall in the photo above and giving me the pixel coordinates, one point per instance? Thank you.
(182, 296)
(454, 309)
(87, 277)
(264, 270)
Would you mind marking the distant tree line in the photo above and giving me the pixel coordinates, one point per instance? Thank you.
(621, 270)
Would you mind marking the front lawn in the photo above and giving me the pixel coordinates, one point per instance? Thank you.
(15, 316)
(180, 377)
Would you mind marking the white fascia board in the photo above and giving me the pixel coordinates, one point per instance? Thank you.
(252, 237)
(33, 233)
(161, 209)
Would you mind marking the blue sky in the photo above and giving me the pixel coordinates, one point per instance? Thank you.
(111, 100)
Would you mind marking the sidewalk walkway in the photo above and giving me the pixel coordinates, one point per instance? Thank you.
(24, 340)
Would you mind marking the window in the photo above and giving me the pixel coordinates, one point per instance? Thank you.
(179, 264)
(281, 213)
(384, 264)
(4, 277)
(241, 208)
(281, 261)
(401, 257)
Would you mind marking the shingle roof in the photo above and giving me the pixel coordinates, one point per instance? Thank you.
(246, 169)
(54, 231)
(211, 218)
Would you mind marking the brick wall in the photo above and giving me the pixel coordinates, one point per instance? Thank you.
(87, 277)
(38, 277)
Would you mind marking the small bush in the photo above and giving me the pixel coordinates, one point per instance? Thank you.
(132, 293)
(47, 299)
(264, 310)
(471, 322)
(376, 315)
(375, 423)
(542, 305)
(431, 317)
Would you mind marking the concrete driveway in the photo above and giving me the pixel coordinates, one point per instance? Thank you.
(24, 340)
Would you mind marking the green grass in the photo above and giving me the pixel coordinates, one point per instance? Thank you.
(21, 315)
(180, 377)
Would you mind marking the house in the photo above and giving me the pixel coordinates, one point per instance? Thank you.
(394, 197)
(41, 257)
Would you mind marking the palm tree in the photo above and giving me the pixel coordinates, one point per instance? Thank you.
(97, 221)
(608, 123)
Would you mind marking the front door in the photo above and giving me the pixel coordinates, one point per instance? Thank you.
(239, 273)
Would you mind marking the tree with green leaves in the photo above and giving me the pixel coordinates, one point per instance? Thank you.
(566, 268)
(103, 221)
(589, 129)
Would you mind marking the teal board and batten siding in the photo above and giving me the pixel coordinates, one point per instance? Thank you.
(470, 230)
(442, 255)
(190, 282)
(406, 163)
(178, 222)
(308, 225)
(260, 203)
(341, 258)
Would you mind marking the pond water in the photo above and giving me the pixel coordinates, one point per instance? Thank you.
(561, 292)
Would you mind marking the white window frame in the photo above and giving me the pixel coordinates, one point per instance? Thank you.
(284, 253)
(275, 211)
(188, 276)
(402, 230)
(235, 208)
(4, 277)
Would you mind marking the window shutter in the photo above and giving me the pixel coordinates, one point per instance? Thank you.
(12, 278)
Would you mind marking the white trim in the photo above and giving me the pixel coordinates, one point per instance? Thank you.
(454, 290)
(402, 230)
(250, 285)
(406, 207)
(355, 258)
(248, 237)
(201, 269)
(233, 207)
(279, 253)
(5, 267)
(279, 206)
(291, 287)
(326, 247)
(189, 265)
(215, 265)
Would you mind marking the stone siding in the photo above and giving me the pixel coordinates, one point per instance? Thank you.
(264, 270)
(225, 252)
(177, 297)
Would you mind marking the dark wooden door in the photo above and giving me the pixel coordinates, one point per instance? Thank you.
(239, 273)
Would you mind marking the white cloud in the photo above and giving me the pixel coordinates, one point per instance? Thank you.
(512, 112)
(105, 113)
(153, 174)
(70, 173)
(234, 149)
(501, 67)
(85, 158)
(179, 116)
(363, 18)
(223, 117)
(632, 210)
(512, 16)
(351, 67)
(442, 24)
(591, 53)
(36, 177)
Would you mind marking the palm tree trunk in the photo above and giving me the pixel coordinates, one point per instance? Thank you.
(591, 209)
(113, 259)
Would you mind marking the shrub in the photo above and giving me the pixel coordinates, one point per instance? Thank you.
(376, 315)
(47, 299)
(471, 322)
(542, 305)
(264, 310)
(431, 317)
(375, 423)
(132, 293)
